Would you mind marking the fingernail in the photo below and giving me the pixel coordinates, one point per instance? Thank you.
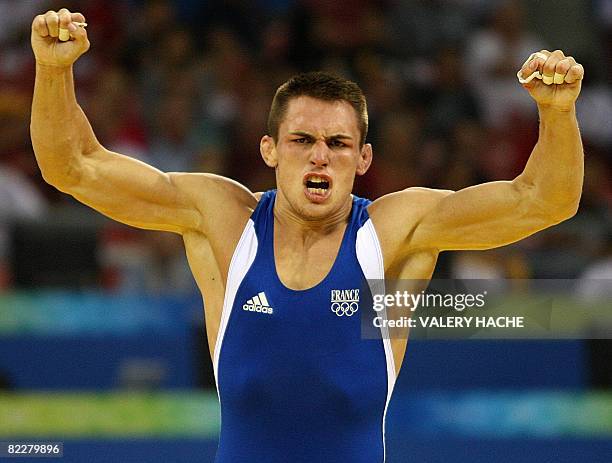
(64, 35)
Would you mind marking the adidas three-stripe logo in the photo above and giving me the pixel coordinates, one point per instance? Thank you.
(258, 303)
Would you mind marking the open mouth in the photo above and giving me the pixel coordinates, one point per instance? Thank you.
(317, 186)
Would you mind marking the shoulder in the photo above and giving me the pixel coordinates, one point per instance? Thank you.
(395, 216)
(219, 200)
(212, 187)
(406, 204)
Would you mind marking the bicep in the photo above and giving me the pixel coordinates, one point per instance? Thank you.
(481, 217)
(133, 192)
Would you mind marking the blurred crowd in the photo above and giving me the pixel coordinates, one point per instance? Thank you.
(186, 86)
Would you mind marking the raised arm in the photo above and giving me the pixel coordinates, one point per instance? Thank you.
(71, 158)
(498, 213)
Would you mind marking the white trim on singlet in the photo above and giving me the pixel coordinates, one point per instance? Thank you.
(242, 259)
(370, 259)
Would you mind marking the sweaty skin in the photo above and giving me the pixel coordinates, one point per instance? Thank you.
(315, 138)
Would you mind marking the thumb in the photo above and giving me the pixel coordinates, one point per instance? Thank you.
(529, 73)
(532, 84)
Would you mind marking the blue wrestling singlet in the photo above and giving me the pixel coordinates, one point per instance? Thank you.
(296, 381)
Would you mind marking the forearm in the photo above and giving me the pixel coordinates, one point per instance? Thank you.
(60, 132)
(555, 169)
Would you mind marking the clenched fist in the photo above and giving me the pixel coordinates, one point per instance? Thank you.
(552, 79)
(46, 44)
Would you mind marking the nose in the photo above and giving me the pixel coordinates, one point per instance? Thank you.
(319, 155)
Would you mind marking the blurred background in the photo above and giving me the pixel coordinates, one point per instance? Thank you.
(102, 342)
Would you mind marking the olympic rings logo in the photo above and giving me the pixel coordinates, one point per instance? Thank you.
(344, 308)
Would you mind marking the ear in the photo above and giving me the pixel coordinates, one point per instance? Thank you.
(267, 148)
(365, 159)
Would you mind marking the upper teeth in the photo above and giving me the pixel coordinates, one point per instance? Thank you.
(316, 179)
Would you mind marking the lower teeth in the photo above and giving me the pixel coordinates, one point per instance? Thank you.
(318, 191)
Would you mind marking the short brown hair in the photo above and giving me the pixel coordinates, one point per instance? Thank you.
(321, 85)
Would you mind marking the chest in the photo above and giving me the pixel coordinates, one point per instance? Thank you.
(309, 335)
(301, 265)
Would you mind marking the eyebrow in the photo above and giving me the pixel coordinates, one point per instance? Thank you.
(337, 136)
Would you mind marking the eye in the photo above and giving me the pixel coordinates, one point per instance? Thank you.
(336, 144)
(302, 140)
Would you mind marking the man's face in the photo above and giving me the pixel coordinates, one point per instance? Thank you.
(317, 156)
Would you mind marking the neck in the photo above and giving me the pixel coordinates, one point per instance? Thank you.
(296, 224)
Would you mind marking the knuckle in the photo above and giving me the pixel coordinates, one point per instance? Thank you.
(558, 54)
(563, 67)
(549, 67)
(563, 62)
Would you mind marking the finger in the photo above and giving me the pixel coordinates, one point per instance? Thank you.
(539, 58)
(79, 36)
(531, 64)
(68, 23)
(65, 18)
(52, 20)
(548, 71)
(530, 68)
(39, 25)
(535, 59)
(575, 73)
(79, 33)
(65, 23)
(561, 69)
(78, 18)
